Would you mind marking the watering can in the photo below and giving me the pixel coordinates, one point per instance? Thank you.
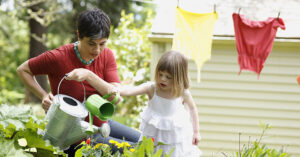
(66, 115)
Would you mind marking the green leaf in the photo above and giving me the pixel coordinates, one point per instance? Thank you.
(160, 143)
(14, 115)
(78, 152)
(141, 150)
(149, 146)
(34, 140)
(8, 149)
(9, 131)
(158, 153)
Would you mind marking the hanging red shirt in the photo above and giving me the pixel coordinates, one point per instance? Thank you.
(254, 40)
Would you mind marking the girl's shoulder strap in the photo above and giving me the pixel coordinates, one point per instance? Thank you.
(185, 93)
(152, 89)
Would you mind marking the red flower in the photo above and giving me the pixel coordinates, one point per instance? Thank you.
(152, 139)
(298, 79)
(88, 141)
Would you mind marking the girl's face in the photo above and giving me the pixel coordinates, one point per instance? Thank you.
(91, 48)
(165, 80)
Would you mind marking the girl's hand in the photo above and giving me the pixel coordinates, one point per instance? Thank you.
(196, 138)
(115, 95)
(46, 101)
(79, 75)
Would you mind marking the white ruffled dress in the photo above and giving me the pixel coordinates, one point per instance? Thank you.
(167, 121)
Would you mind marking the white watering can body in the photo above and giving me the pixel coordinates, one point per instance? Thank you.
(66, 123)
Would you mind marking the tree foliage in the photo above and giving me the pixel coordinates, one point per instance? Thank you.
(133, 52)
(15, 34)
(14, 40)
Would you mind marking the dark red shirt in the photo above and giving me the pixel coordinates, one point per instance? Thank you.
(254, 40)
(56, 63)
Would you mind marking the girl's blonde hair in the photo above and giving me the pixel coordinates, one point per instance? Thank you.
(176, 64)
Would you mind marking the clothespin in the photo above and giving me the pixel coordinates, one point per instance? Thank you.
(239, 11)
(278, 16)
(215, 8)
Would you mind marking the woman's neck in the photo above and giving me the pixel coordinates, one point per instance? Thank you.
(76, 49)
(81, 52)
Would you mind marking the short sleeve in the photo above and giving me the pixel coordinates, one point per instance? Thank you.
(42, 64)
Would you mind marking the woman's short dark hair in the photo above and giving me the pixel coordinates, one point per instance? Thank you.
(94, 24)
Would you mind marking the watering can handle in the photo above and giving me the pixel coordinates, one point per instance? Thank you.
(66, 75)
(115, 100)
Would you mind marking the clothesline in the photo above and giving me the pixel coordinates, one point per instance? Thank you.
(239, 9)
(193, 37)
(295, 38)
(222, 35)
(248, 8)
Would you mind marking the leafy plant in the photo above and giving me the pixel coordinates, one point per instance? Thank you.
(19, 129)
(145, 148)
(257, 149)
(100, 149)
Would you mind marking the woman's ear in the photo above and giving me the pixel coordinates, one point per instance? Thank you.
(77, 32)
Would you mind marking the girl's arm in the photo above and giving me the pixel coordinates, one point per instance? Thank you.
(188, 99)
(129, 90)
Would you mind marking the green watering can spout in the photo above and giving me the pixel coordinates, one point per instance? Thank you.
(100, 107)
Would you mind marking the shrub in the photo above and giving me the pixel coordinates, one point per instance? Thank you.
(145, 148)
(257, 149)
(19, 135)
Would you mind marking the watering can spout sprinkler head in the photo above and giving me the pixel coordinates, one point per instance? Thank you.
(104, 130)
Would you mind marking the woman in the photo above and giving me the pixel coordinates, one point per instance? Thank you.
(89, 61)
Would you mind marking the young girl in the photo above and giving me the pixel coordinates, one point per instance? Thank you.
(165, 118)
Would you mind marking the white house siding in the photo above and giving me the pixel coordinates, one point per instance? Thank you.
(229, 104)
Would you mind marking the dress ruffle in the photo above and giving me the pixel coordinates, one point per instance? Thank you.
(169, 130)
(165, 122)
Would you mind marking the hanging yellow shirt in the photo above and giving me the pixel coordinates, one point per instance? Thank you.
(193, 35)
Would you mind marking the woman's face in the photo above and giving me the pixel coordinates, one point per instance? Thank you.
(91, 48)
(165, 80)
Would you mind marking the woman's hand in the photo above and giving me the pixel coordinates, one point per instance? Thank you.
(196, 138)
(79, 75)
(47, 101)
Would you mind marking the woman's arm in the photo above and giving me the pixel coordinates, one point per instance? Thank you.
(95, 81)
(28, 79)
(104, 87)
(188, 99)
